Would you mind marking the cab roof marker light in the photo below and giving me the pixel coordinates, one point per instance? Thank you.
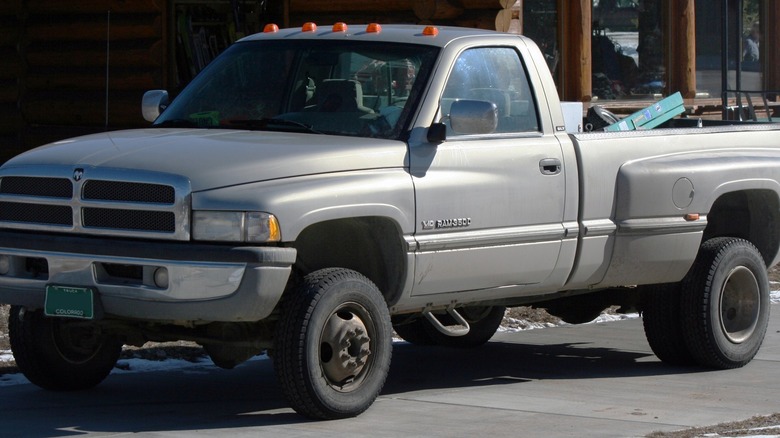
(340, 27)
(309, 27)
(373, 28)
(431, 31)
(270, 28)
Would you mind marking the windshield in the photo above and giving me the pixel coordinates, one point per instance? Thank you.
(332, 87)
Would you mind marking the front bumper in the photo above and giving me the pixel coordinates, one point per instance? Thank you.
(205, 282)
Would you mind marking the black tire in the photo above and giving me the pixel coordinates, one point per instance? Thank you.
(663, 324)
(413, 330)
(60, 354)
(333, 344)
(725, 303)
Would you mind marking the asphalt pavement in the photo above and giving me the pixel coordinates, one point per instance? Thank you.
(596, 380)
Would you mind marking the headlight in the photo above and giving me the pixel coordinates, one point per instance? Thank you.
(235, 226)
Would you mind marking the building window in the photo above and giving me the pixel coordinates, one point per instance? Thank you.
(740, 20)
(540, 23)
(628, 49)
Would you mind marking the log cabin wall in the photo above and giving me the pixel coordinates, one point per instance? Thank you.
(464, 13)
(11, 69)
(53, 52)
(53, 67)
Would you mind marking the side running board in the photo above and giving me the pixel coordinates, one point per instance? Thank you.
(462, 328)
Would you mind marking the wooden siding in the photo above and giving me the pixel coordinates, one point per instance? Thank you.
(53, 67)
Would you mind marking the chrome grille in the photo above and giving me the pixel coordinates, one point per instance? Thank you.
(93, 201)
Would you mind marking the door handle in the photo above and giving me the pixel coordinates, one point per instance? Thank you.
(550, 166)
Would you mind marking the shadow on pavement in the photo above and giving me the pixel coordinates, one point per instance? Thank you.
(208, 398)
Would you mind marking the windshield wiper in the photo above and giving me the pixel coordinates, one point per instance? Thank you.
(265, 123)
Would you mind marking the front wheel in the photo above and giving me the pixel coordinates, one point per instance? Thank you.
(333, 344)
(60, 354)
(725, 303)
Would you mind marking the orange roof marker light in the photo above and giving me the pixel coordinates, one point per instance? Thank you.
(309, 27)
(340, 27)
(431, 31)
(373, 28)
(270, 28)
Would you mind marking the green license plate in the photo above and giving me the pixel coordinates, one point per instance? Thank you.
(69, 302)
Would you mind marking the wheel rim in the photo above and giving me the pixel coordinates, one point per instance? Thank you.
(740, 302)
(75, 343)
(345, 353)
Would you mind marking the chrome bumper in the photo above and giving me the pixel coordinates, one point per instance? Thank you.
(198, 282)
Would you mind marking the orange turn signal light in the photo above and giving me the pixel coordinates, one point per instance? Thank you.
(431, 31)
(309, 27)
(270, 28)
(692, 217)
(373, 28)
(340, 27)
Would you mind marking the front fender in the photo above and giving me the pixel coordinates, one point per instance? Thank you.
(303, 201)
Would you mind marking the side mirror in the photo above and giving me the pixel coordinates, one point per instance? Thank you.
(153, 104)
(437, 133)
(473, 117)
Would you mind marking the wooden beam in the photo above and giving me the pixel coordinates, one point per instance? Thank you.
(320, 6)
(577, 56)
(436, 10)
(682, 59)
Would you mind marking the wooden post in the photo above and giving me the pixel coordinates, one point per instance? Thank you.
(577, 63)
(682, 61)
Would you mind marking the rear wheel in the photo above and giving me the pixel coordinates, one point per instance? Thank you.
(61, 354)
(725, 303)
(333, 344)
(663, 324)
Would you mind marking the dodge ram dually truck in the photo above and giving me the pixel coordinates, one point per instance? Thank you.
(315, 188)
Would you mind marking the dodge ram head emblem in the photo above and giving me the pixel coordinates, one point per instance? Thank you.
(77, 174)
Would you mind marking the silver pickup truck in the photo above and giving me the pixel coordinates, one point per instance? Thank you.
(315, 188)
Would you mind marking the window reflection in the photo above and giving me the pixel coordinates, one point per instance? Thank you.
(628, 49)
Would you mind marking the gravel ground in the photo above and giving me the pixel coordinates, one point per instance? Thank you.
(516, 318)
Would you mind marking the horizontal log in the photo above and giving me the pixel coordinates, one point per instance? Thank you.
(297, 20)
(85, 112)
(480, 4)
(436, 10)
(11, 65)
(10, 119)
(94, 31)
(331, 6)
(11, 7)
(138, 58)
(9, 36)
(92, 80)
(95, 6)
(9, 93)
(483, 21)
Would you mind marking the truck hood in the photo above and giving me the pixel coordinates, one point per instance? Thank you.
(219, 158)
